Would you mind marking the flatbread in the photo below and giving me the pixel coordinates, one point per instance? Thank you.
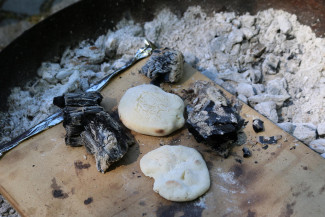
(180, 172)
(149, 110)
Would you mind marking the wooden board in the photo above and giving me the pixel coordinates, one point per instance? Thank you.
(44, 177)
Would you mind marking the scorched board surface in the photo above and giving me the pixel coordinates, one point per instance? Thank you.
(44, 177)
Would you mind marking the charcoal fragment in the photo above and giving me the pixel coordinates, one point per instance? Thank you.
(78, 99)
(258, 125)
(86, 123)
(164, 65)
(211, 117)
(268, 140)
(105, 139)
(75, 107)
(265, 147)
(246, 152)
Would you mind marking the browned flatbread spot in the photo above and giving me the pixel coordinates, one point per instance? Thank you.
(172, 182)
(161, 131)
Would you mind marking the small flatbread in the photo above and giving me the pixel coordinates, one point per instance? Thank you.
(149, 110)
(180, 172)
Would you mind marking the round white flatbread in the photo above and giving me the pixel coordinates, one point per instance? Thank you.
(180, 172)
(149, 110)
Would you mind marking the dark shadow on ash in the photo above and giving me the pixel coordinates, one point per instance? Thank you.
(57, 192)
(185, 209)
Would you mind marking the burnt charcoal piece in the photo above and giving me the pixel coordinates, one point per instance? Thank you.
(258, 125)
(78, 99)
(211, 117)
(75, 107)
(265, 147)
(72, 122)
(267, 140)
(246, 152)
(105, 139)
(87, 124)
(164, 65)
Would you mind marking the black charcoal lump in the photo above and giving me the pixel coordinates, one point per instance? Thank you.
(246, 152)
(258, 125)
(75, 106)
(164, 65)
(105, 139)
(86, 123)
(211, 117)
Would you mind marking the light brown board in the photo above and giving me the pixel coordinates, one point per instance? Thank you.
(287, 179)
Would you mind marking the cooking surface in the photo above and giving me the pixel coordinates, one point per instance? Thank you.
(44, 177)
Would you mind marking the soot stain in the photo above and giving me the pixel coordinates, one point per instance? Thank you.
(238, 170)
(57, 191)
(322, 189)
(89, 200)
(310, 194)
(288, 209)
(142, 203)
(80, 165)
(244, 176)
(187, 209)
(296, 194)
(251, 213)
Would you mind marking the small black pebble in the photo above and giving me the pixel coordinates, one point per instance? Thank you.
(258, 125)
(256, 162)
(265, 147)
(246, 152)
(238, 160)
(294, 147)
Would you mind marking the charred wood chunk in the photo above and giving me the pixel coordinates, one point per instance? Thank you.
(258, 125)
(78, 99)
(75, 107)
(164, 65)
(106, 139)
(73, 122)
(211, 117)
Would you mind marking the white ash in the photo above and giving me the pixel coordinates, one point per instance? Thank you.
(318, 145)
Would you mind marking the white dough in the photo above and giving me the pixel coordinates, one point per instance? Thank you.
(149, 110)
(180, 172)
